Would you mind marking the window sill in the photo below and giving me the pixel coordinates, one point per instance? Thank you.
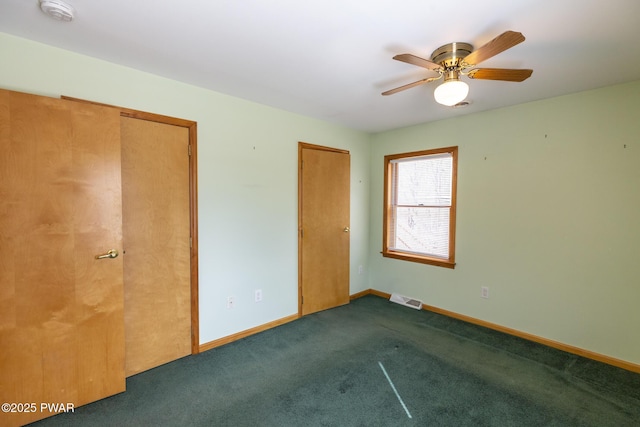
(439, 262)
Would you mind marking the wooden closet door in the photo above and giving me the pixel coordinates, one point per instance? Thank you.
(324, 228)
(61, 309)
(157, 262)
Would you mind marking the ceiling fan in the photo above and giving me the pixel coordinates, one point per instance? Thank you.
(454, 59)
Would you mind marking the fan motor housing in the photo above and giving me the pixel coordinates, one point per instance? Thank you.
(451, 54)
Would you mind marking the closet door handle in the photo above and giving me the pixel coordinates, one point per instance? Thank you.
(111, 254)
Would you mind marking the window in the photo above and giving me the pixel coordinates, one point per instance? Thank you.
(420, 206)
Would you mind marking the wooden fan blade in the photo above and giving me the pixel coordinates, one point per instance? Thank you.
(504, 41)
(416, 60)
(505, 74)
(410, 85)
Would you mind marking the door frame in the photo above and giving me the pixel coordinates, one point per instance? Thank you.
(301, 146)
(193, 200)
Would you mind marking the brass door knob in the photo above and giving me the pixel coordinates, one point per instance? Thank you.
(346, 229)
(111, 254)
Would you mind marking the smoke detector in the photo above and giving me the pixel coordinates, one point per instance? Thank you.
(57, 9)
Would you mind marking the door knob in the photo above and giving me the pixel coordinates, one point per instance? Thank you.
(111, 254)
(346, 229)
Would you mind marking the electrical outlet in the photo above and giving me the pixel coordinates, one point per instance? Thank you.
(360, 269)
(231, 302)
(257, 295)
(484, 292)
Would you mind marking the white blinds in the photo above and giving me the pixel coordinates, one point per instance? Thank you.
(421, 204)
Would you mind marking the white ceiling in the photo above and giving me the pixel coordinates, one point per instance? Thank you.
(331, 59)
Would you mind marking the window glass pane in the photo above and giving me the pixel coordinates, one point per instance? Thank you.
(424, 181)
(422, 230)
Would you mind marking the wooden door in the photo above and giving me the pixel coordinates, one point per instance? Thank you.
(324, 182)
(157, 268)
(61, 309)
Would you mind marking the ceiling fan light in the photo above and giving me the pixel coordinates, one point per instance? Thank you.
(451, 92)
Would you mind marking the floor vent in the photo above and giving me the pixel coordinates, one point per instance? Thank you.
(406, 301)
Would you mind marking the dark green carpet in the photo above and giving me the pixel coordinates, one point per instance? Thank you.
(324, 370)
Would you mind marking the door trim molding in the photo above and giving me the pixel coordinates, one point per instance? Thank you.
(193, 200)
(302, 145)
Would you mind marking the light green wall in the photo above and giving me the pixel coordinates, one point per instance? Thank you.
(247, 177)
(548, 219)
(548, 199)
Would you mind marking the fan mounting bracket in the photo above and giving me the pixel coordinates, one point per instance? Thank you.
(450, 55)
